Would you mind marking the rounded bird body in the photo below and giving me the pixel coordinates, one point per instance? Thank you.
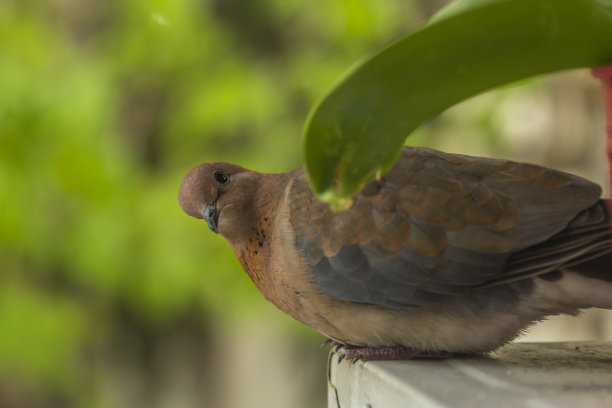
(444, 253)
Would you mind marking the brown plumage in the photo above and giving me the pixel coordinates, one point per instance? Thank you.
(444, 253)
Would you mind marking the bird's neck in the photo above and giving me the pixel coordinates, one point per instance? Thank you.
(252, 247)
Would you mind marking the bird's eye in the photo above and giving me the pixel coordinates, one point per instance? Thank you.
(221, 177)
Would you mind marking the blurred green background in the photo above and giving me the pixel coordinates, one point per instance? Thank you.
(109, 295)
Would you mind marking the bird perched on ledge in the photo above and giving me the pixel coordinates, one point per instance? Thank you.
(445, 253)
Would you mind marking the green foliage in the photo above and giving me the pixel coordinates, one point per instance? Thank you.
(358, 129)
(40, 334)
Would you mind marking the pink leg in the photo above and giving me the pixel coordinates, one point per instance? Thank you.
(387, 353)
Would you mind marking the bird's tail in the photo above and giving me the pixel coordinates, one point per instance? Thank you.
(579, 259)
(598, 268)
(596, 264)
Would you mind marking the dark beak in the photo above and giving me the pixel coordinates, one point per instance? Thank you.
(212, 217)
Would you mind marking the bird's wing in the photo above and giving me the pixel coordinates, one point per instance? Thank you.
(436, 225)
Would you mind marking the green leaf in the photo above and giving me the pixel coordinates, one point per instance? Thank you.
(358, 129)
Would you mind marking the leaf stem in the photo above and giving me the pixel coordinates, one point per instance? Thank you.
(605, 74)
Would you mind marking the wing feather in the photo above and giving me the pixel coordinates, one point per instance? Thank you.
(439, 225)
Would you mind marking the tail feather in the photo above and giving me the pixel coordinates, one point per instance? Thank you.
(599, 266)
(584, 247)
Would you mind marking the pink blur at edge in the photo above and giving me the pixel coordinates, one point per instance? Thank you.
(605, 74)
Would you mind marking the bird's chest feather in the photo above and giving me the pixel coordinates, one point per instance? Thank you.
(277, 268)
(253, 255)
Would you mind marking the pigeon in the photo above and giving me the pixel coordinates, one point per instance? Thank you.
(443, 254)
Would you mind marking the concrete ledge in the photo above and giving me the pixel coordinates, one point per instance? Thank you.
(536, 375)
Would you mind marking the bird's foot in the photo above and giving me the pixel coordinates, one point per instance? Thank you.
(334, 345)
(330, 342)
(355, 354)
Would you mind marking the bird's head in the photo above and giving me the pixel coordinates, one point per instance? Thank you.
(221, 194)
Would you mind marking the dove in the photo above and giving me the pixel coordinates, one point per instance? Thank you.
(443, 254)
